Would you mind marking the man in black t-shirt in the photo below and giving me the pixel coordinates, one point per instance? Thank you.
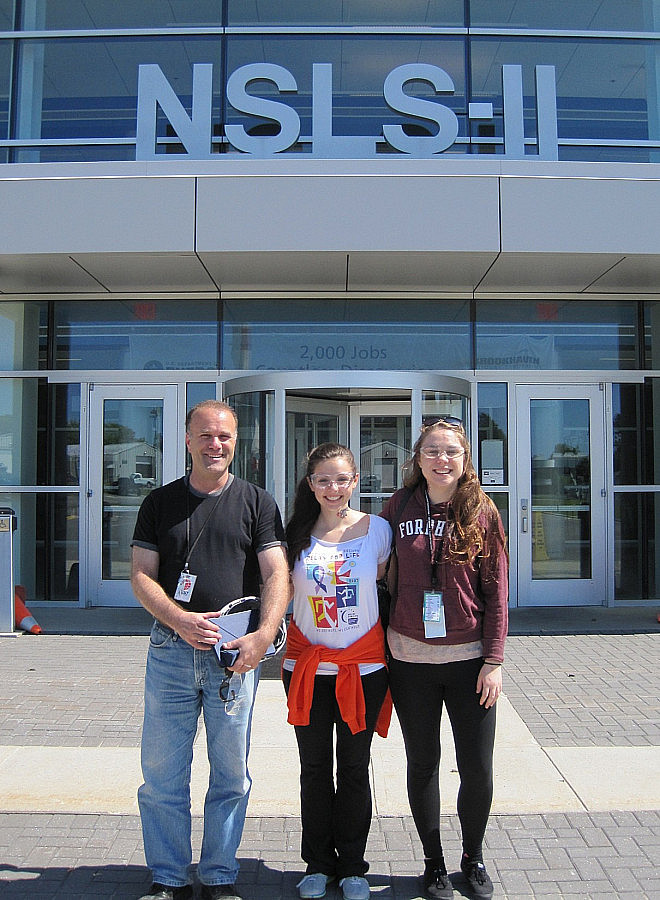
(200, 542)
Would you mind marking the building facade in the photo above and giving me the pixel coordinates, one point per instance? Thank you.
(344, 218)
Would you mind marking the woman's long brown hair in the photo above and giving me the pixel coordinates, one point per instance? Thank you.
(469, 505)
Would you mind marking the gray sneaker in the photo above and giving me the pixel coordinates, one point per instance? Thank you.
(313, 885)
(355, 887)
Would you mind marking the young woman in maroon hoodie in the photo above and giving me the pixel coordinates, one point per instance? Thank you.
(446, 636)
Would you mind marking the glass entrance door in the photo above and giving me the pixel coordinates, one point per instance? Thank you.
(381, 443)
(132, 449)
(561, 495)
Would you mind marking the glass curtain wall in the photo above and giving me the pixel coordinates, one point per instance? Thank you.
(68, 94)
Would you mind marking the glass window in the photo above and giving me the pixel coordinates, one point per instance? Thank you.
(636, 562)
(556, 334)
(651, 334)
(501, 501)
(602, 86)
(250, 458)
(198, 391)
(46, 546)
(304, 431)
(137, 334)
(636, 439)
(346, 12)
(5, 80)
(597, 15)
(6, 15)
(334, 334)
(359, 68)
(39, 432)
(87, 89)
(384, 446)
(493, 434)
(436, 404)
(23, 334)
(69, 14)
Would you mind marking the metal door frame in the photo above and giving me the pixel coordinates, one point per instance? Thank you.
(100, 592)
(561, 592)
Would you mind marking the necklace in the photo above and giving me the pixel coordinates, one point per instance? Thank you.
(343, 513)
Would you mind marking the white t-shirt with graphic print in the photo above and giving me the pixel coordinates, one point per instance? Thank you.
(335, 601)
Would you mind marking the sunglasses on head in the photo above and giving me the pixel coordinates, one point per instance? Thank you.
(431, 421)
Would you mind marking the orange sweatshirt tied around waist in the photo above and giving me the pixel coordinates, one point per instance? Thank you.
(370, 648)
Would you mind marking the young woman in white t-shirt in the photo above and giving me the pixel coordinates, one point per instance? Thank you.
(334, 667)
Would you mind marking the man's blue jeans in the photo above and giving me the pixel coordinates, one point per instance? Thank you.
(181, 681)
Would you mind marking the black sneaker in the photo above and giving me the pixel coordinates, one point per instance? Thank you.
(437, 884)
(218, 891)
(165, 892)
(477, 877)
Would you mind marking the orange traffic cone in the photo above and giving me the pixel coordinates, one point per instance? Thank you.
(22, 614)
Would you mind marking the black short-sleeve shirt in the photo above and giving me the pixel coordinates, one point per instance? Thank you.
(244, 522)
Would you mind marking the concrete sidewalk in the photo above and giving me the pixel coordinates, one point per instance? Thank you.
(577, 797)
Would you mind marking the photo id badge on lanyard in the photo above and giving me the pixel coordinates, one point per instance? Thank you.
(434, 615)
(185, 586)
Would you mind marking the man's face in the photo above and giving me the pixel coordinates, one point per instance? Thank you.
(211, 442)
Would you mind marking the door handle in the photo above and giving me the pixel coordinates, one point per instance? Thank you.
(524, 518)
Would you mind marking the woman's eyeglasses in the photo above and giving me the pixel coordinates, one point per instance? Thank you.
(437, 452)
(432, 421)
(322, 481)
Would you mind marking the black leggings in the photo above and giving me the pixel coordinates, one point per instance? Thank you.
(419, 691)
(336, 811)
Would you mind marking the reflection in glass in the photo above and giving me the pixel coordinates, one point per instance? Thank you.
(333, 334)
(87, 88)
(636, 562)
(360, 65)
(249, 459)
(493, 434)
(40, 432)
(22, 334)
(196, 391)
(46, 546)
(556, 334)
(651, 334)
(70, 14)
(602, 85)
(346, 12)
(385, 445)
(5, 81)
(304, 431)
(501, 501)
(591, 15)
(132, 466)
(136, 334)
(440, 403)
(561, 489)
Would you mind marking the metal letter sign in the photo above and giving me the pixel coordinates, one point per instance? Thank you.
(195, 130)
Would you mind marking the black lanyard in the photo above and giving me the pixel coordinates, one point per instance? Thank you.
(206, 521)
(436, 558)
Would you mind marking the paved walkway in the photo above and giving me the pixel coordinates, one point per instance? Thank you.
(577, 794)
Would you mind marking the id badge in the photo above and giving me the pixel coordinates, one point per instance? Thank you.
(185, 587)
(434, 615)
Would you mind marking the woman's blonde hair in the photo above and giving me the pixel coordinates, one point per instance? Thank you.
(469, 505)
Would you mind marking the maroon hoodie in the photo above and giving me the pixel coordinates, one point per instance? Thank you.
(475, 596)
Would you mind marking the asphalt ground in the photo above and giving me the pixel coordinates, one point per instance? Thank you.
(577, 801)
